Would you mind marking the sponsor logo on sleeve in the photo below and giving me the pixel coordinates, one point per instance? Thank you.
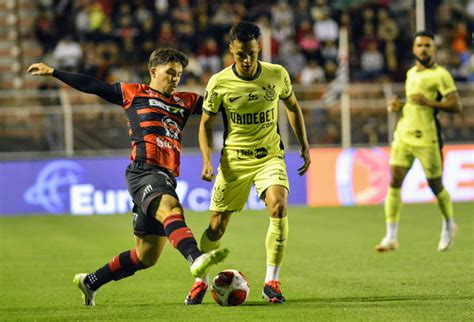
(210, 103)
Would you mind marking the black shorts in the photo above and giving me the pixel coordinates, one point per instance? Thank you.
(147, 183)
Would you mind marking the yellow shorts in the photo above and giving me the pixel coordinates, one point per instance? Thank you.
(430, 157)
(234, 180)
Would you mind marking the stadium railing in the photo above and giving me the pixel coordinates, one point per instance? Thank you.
(64, 122)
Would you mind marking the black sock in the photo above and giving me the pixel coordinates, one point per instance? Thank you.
(121, 266)
(181, 237)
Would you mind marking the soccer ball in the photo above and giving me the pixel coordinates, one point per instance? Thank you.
(230, 288)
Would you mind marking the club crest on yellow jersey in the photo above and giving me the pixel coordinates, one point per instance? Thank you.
(270, 93)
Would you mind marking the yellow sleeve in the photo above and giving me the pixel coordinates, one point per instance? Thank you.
(212, 97)
(286, 88)
(447, 84)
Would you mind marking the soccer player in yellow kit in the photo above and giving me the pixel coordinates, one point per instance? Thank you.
(247, 94)
(429, 89)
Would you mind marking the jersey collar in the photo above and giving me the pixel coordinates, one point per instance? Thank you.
(428, 67)
(259, 71)
(158, 92)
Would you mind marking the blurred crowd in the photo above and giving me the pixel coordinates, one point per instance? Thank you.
(112, 39)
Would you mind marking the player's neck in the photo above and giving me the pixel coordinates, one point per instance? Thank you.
(420, 66)
(158, 90)
(251, 74)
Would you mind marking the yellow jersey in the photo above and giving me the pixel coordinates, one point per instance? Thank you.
(418, 125)
(250, 109)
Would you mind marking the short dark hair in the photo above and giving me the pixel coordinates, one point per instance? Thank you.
(424, 33)
(163, 56)
(244, 31)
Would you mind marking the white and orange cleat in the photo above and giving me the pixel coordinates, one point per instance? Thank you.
(387, 245)
(196, 294)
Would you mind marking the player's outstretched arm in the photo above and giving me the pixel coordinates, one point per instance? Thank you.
(295, 116)
(205, 145)
(82, 82)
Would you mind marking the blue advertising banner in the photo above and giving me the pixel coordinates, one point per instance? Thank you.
(86, 186)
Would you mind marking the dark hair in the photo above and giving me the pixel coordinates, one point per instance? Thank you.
(244, 31)
(163, 56)
(424, 33)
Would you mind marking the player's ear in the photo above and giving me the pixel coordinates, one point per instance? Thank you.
(153, 72)
(259, 46)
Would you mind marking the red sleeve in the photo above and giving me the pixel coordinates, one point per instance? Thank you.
(194, 101)
(128, 93)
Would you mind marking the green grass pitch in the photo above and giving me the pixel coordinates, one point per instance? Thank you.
(330, 272)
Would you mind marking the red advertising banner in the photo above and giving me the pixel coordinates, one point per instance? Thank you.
(361, 176)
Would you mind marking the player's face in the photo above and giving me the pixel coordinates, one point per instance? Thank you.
(245, 56)
(165, 78)
(424, 50)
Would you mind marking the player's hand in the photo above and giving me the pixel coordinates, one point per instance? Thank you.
(307, 161)
(394, 105)
(40, 69)
(419, 99)
(207, 172)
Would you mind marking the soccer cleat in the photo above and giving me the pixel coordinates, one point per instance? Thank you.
(87, 294)
(272, 293)
(387, 245)
(447, 238)
(196, 294)
(201, 265)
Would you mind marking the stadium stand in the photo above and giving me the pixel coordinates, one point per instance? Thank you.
(109, 38)
(112, 40)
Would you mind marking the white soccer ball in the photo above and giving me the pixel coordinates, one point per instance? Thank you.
(230, 288)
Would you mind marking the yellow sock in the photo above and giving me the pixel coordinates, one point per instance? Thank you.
(276, 240)
(393, 203)
(207, 244)
(445, 204)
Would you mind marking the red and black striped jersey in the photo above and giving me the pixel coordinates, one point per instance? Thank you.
(156, 123)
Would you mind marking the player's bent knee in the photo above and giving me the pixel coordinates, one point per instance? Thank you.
(278, 208)
(149, 262)
(397, 175)
(436, 185)
(149, 249)
(149, 258)
(215, 233)
(218, 224)
(397, 184)
(168, 206)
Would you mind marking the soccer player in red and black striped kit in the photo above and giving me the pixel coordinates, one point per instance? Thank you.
(156, 115)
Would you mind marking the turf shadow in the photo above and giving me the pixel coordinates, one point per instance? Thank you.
(370, 299)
